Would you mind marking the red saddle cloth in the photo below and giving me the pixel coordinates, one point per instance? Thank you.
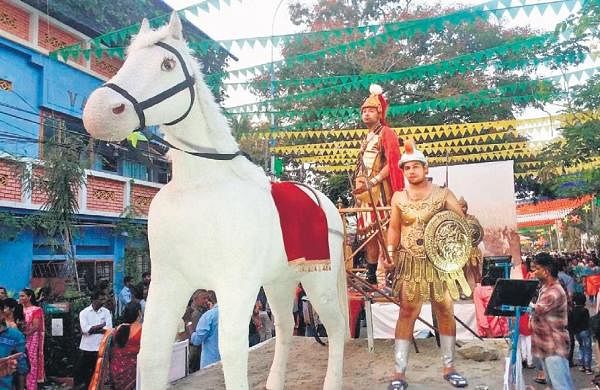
(304, 227)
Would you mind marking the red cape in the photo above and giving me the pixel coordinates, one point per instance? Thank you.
(391, 149)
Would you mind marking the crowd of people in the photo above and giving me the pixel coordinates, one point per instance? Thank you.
(109, 354)
(22, 337)
(199, 325)
(560, 318)
(107, 351)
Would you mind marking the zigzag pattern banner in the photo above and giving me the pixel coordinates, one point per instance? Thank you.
(437, 146)
(383, 33)
(121, 35)
(497, 8)
(404, 30)
(594, 164)
(419, 133)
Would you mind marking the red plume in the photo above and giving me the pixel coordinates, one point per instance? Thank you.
(409, 146)
(384, 107)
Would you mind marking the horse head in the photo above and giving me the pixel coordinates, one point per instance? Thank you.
(157, 69)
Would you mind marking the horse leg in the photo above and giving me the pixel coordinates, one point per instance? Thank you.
(281, 299)
(166, 304)
(235, 310)
(324, 297)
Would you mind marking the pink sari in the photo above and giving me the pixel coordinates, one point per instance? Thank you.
(35, 347)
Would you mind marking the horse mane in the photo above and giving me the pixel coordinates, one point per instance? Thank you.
(216, 124)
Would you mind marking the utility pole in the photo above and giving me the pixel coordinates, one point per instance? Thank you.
(273, 125)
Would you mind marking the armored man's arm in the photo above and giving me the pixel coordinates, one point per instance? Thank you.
(393, 231)
(381, 176)
(453, 205)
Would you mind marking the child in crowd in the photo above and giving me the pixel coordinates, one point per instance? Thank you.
(580, 320)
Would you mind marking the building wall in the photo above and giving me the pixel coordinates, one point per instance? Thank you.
(14, 20)
(141, 196)
(105, 194)
(10, 186)
(31, 83)
(15, 262)
(103, 200)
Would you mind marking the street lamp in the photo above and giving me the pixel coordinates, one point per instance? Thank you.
(272, 89)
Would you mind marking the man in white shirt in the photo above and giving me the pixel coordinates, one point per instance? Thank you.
(94, 321)
(126, 293)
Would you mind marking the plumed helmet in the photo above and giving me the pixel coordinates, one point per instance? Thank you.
(411, 153)
(376, 100)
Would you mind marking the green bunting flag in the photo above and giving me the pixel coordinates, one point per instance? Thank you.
(371, 35)
(120, 36)
(461, 64)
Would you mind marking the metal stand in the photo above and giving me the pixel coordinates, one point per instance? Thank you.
(511, 298)
(506, 266)
(518, 310)
(367, 289)
(369, 320)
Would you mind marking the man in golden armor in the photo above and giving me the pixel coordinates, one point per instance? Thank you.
(377, 175)
(472, 269)
(429, 242)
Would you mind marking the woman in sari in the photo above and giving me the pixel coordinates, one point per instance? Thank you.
(117, 356)
(34, 337)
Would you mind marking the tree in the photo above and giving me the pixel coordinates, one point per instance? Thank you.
(60, 179)
(579, 142)
(396, 55)
(577, 146)
(437, 44)
(256, 148)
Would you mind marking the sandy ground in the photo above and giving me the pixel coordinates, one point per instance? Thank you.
(362, 370)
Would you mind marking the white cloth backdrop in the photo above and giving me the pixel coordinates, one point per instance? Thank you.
(385, 316)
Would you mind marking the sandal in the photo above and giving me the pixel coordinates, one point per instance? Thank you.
(540, 381)
(456, 380)
(398, 384)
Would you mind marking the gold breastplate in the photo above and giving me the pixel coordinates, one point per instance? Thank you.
(373, 160)
(415, 215)
(371, 155)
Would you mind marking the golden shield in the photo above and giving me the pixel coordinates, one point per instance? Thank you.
(447, 241)
(475, 229)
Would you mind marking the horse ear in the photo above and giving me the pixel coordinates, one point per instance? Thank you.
(175, 26)
(145, 27)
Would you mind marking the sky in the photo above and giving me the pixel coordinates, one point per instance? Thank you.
(255, 18)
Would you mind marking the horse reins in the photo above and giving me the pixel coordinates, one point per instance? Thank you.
(188, 84)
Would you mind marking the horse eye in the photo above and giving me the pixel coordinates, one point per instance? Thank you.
(168, 64)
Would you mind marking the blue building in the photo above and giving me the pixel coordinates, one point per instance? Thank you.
(41, 98)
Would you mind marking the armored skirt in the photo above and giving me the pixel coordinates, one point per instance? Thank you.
(416, 275)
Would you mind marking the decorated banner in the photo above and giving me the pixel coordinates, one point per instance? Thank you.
(456, 65)
(113, 43)
(496, 8)
(430, 148)
(492, 57)
(382, 33)
(419, 133)
(521, 90)
(122, 35)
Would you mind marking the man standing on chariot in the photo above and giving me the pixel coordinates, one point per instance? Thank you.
(429, 240)
(377, 175)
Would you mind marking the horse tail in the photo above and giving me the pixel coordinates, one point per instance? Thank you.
(343, 294)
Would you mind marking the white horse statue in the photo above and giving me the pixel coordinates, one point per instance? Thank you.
(215, 224)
